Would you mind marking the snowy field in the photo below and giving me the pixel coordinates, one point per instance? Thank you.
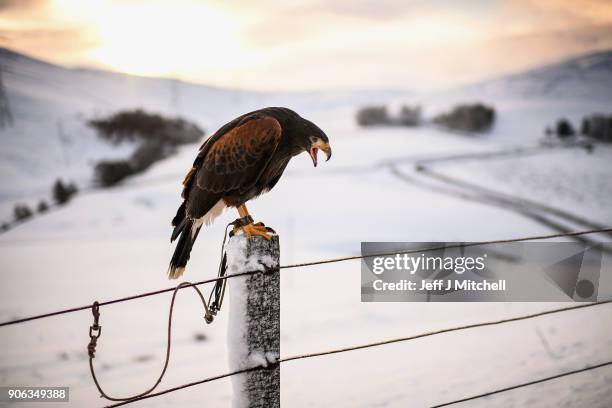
(112, 243)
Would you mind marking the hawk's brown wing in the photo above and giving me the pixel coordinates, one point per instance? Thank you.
(235, 160)
(231, 160)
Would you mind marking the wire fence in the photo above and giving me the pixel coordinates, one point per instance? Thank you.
(361, 346)
(305, 264)
(392, 341)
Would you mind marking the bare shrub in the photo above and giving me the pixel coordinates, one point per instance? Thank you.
(22, 212)
(409, 116)
(564, 128)
(111, 172)
(468, 118)
(137, 124)
(63, 192)
(42, 207)
(373, 115)
(598, 127)
(157, 138)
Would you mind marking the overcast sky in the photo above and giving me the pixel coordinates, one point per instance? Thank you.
(308, 44)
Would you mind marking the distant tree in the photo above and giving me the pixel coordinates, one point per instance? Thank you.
(548, 131)
(468, 118)
(22, 212)
(598, 126)
(373, 116)
(4, 227)
(141, 125)
(155, 135)
(111, 172)
(147, 154)
(585, 127)
(379, 116)
(565, 128)
(42, 207)
(410, 116)
(63, 192)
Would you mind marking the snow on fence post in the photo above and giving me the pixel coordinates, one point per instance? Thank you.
(254, 325)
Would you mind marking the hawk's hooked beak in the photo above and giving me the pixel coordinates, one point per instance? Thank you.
(314, 149)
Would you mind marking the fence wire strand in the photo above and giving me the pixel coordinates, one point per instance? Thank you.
(514, 387)
(390, 341)
(461, 245)
(305, 264)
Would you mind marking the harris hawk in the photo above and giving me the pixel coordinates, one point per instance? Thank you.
(243, 159)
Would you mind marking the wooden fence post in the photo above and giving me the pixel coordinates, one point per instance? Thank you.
(254, 325)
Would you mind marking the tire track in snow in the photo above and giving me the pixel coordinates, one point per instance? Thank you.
(541, 213)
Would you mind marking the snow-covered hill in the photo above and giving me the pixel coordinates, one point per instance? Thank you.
(586, 78)
(526, 103)
(50, 105)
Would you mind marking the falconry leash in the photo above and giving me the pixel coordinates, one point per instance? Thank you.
(211, 308)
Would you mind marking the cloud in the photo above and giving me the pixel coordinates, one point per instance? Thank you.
(402, 65)
(303, 44)
(20, 5)
(547, 46)
(61, 46)
(567, 12)
(371, 10)
(270, 24)
(51, 40)
(38, 28)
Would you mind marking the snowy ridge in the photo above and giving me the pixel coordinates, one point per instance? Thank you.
(51, 105)
(588, 77)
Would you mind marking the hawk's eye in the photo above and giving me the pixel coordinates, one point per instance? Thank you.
(314, 139)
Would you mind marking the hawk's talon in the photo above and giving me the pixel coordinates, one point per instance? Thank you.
(252, 229)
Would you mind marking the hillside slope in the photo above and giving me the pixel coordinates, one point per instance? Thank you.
(51, 104)
(587, 77)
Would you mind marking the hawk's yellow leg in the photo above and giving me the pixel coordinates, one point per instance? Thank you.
(251, 229)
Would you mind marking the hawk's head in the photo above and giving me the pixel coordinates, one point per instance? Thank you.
(315, 139)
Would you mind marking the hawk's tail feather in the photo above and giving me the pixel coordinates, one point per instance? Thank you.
(180, 214)
(183, 247)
